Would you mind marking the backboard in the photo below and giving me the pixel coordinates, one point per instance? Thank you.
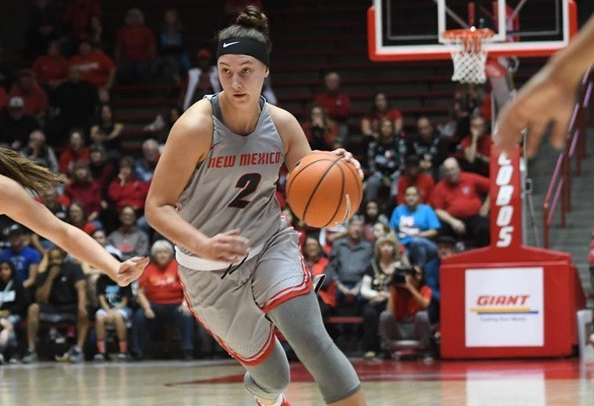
(410, 30)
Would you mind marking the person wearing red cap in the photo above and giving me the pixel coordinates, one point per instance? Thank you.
(202, 79)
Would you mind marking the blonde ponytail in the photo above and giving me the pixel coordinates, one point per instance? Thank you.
(23, 171)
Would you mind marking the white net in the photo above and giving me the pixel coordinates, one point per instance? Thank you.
(469, 55)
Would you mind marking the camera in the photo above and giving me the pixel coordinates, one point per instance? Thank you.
(399, 276)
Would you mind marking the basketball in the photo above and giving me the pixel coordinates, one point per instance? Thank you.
(324, 189)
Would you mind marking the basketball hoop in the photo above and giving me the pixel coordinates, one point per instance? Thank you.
(468, 53)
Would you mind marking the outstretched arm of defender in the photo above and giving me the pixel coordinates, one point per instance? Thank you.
(19, 206)
(548, 96)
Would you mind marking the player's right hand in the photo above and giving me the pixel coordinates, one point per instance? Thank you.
(226, 247)
(545, 99)
(130, 270)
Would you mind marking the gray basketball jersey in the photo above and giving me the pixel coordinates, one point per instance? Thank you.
(234, 187)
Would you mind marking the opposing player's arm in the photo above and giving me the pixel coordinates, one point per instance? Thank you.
(296, 145)
(548, 96)
(187, 145)
(19, 206)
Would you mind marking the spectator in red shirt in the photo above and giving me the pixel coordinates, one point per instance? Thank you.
(336, 104)
(457, 202)
(51, 69)
(161, 300)
(370, 124)
(135, 48)
(75, 151)
(84, 190)
(97, 68)
(406, 317)
(477, 147)
(77, 15)
(126, 189)
(414, 176)
(33, 95)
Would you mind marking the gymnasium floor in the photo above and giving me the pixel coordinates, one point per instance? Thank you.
(218, 383)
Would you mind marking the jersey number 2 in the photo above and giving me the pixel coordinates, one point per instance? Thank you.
(248, 183)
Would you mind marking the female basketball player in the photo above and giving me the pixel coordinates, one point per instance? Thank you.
(212, 194)
(548, 96)
(17, 172)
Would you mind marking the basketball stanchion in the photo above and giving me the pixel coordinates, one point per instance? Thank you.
(508, 299)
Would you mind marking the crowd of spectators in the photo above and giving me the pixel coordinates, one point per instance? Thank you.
(425, 191)
(425, 198)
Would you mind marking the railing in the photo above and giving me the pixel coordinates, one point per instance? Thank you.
(559, 190)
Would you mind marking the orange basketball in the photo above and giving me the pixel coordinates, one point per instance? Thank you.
(324, 189)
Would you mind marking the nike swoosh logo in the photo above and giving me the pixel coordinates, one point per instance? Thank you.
(214, 145)
(228, 44)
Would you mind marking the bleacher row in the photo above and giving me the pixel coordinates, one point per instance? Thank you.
(331, 39)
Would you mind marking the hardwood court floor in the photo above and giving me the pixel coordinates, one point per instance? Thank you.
(218, 383)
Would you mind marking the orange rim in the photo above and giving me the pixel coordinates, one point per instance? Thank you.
(467, 34)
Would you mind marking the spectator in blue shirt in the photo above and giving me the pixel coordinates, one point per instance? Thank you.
(25, 259)
(446, 246)
(416, 227)
(144, 167)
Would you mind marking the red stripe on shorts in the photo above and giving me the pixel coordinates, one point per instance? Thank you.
(302, 288)
(256, 359)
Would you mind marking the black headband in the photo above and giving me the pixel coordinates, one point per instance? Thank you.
(244, 46)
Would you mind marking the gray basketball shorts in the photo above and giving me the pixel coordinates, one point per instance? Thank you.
(233, 309)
